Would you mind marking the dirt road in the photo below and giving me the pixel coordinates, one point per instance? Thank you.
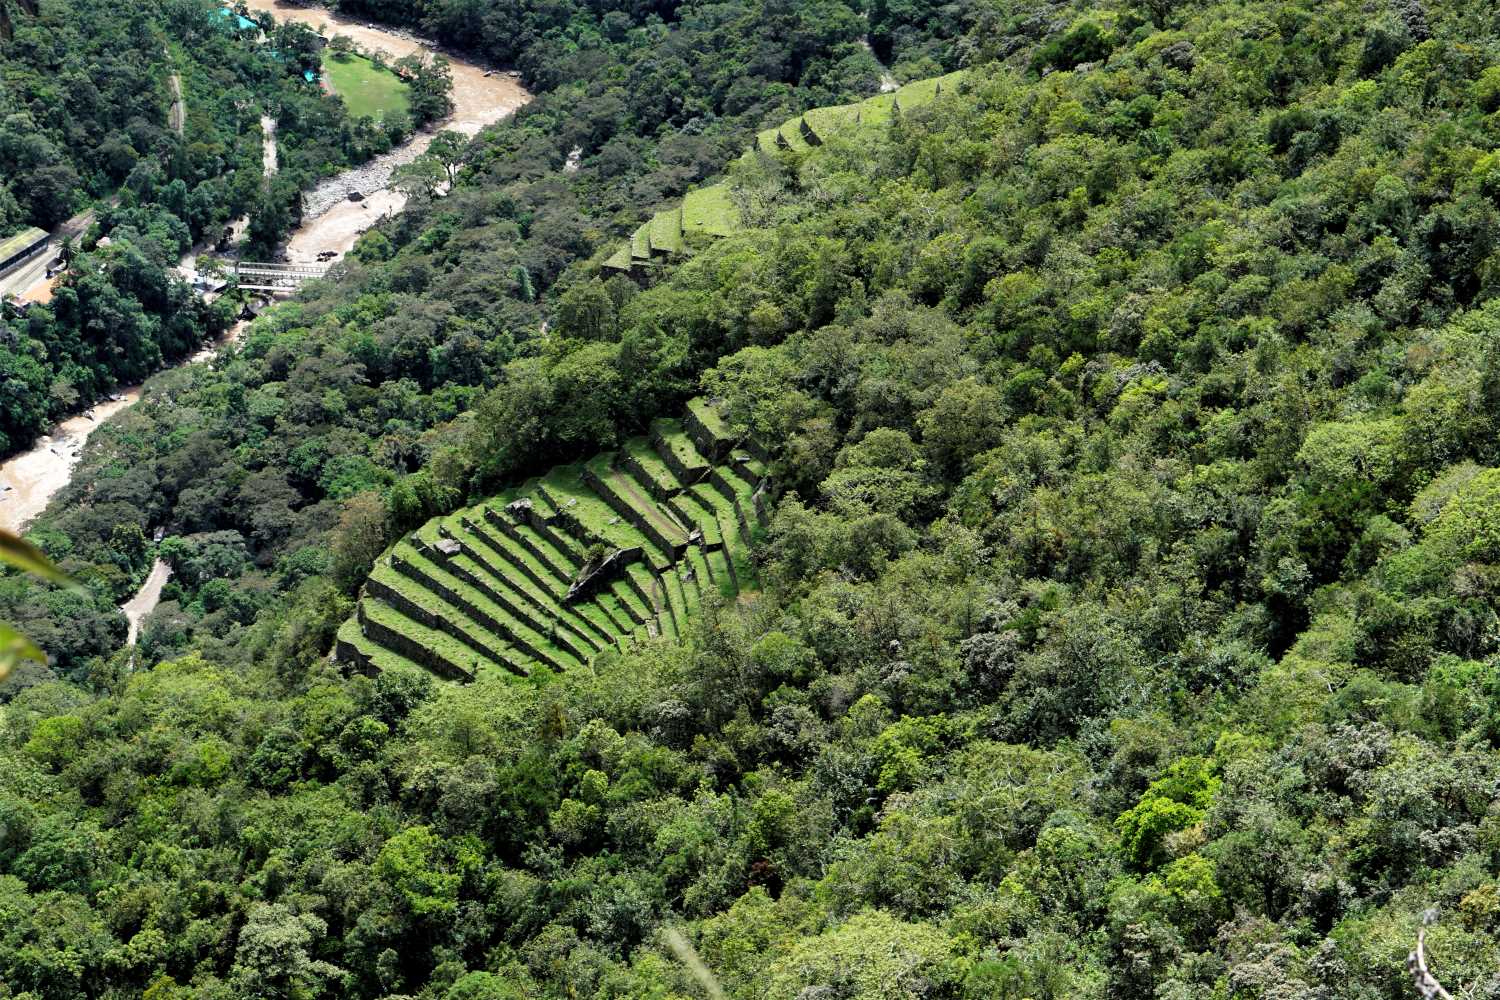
(177, 116)
(267, 145)
(145, 600)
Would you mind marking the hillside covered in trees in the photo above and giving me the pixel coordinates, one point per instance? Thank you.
(1123, 622)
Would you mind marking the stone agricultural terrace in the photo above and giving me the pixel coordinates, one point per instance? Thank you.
(708, 213)
(591, 556)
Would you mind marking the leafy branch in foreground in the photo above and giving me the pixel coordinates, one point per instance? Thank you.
(16, 551)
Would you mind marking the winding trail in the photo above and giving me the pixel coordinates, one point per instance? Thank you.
(145, 600)
(888, 82)
(267, 145)
(177, 117)
(481, 97)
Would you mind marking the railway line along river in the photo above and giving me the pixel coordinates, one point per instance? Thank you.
(331, 223)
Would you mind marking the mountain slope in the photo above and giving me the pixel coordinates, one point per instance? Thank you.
(1126, 623)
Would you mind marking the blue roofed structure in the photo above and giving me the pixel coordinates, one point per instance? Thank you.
(242, 22)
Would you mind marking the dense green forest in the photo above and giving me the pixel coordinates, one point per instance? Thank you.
(1126, 626)
(85, 120)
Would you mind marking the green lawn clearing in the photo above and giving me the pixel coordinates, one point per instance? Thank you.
(367, 89)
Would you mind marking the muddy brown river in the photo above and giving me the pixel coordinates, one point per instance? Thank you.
(480, 97)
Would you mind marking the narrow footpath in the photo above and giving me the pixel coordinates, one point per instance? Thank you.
(177, 117)
(267, 145)
(145, 600)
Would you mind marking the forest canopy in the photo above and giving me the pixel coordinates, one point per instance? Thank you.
(1126, 628)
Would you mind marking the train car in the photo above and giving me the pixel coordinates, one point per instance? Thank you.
(16, 250)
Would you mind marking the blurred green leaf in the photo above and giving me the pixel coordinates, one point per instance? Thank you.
(23, 555)
(15, 647)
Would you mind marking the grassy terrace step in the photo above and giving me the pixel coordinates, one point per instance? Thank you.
(413, 600)
(568, 492)
(555, 577)
(640, 243)
(620, 260)
(544, 543)
(733, 484)
(741, 567)
(677, 449)
(496, 524)
(740, 479)
(709, 212)
(736, 536)
(747, 467)
(791, 135)
(949, 83)
(352, 645)
(665, 233)
(691, 510)
(438, 651)
(507, 619)
(826, 122)
(742, 494)
(624, 491)
(718, 568)
(541, 503)
(640, 580)
(457, 529)
(876, 110)
(638, 610)
(546, 521)
(922, 92)
(606, 602)
(600, 619)
(673, 614)
(586, 621)
(700, 578)
(688, 588)
(503, 581)
(709, 430)
(638, 635)
(917, 93)
(532, 511)
(624, 496)
(551, 577)
(547, 545)
(499, 579)
(709, 496)
(640, 459)
(499, 573)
